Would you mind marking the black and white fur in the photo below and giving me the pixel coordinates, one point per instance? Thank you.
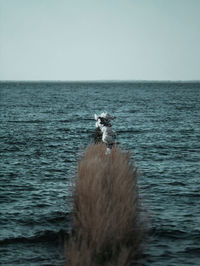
(104, 132)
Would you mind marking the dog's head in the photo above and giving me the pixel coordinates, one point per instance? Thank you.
(103, 119)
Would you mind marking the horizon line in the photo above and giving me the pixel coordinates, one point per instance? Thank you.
(102, 80)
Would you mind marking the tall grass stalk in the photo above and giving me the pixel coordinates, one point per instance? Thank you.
(106, 210)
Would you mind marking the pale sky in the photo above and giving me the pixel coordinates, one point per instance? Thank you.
(99, 40)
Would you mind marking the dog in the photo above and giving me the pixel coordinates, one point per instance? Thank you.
(104, 132)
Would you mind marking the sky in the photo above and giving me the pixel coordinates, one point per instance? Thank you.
(99, 40)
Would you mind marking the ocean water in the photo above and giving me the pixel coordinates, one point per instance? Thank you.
(43, 128)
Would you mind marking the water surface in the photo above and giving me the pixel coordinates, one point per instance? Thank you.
(43, 128)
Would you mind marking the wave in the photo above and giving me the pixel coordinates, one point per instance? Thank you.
(52, 218)
(174, 234)
(46, 236)
(177, 183)
(194, 194)
(135, 131)
(193, 250)
(27, 121)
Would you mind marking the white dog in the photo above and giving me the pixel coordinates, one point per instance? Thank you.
(104, 131)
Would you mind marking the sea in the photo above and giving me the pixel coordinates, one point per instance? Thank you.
(44, 128)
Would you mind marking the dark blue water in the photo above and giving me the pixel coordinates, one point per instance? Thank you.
(43, 128)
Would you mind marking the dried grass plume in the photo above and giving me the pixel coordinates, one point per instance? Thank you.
(108, 229)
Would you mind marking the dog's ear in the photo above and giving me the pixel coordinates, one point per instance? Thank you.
(96, 117)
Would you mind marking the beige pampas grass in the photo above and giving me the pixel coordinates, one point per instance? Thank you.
(106, 210)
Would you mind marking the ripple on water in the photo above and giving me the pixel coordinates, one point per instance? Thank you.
(42, 134)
